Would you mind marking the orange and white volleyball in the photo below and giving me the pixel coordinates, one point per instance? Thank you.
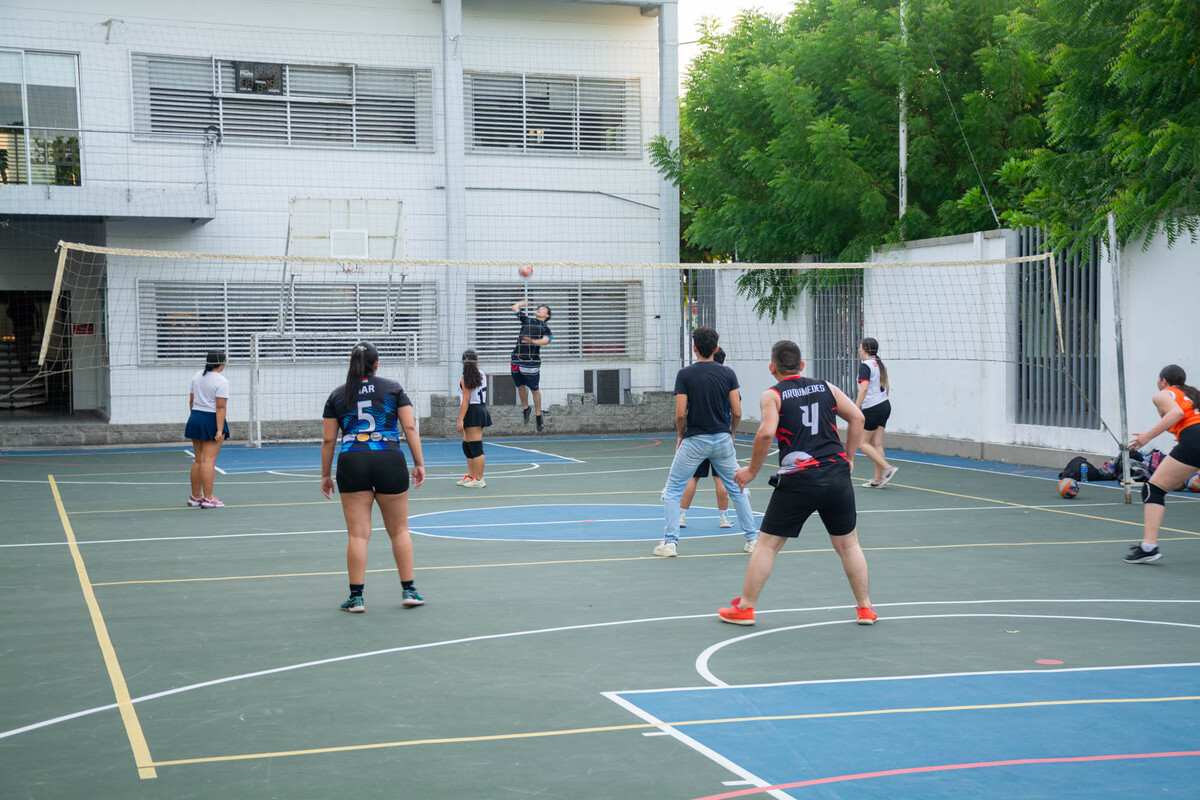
(526, 272)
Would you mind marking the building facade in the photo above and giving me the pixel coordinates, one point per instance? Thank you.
(457, 130)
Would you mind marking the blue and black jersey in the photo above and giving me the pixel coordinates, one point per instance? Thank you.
(373, 422)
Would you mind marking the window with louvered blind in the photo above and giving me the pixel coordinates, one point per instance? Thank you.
(593, 320)
(322, 105)
(549, 114)
(182, 321)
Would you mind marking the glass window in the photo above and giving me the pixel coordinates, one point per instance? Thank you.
(39, 119)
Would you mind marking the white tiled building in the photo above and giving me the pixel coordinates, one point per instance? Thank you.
(460, 129)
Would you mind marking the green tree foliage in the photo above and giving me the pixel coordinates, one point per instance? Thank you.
(789, 130)
(1123, 116)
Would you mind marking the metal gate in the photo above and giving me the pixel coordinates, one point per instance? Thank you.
(837, 328)
(1058, 388)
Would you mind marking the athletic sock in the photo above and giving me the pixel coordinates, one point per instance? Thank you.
(1148, 548)
(408, 584)
(356, 589)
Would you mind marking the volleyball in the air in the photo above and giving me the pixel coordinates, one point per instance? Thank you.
(1068, 488)
(525, 272)
(1193, 484)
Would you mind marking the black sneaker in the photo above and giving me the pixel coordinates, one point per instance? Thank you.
(541, 423)
(1139, 556)
(525, 412)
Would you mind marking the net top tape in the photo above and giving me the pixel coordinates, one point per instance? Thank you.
(181, 255)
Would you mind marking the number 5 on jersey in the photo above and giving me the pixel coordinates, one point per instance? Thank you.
(363, 405)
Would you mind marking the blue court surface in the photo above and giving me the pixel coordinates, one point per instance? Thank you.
(564, 523)
(1089, 733)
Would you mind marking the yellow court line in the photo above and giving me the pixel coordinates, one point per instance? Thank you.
(1039, 508)
(559, 562)
(133, 727)
(645, 726)
(333, 504)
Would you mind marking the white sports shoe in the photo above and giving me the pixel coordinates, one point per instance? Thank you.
(748, 547)
(666, 549)
(476, 484)
(888, 474)
(724, 521)
(464, 480)
(683, 520)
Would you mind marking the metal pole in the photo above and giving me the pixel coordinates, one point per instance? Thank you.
(903, 178)
(1114, 261)
(254, 430)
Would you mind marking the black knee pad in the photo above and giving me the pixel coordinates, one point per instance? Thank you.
(466, 449)
(1153, 494)
(473, 449)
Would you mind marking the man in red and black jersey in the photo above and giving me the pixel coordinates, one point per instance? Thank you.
(799, 417)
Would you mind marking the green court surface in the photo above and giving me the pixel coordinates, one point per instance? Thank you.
(151, 650)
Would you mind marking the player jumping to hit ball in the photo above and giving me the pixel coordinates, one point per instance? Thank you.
(527, 358)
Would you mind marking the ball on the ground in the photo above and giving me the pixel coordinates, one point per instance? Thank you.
(525, 272)
(1193, 484)
(1068, 488)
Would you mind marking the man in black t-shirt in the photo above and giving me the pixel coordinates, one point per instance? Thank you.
(708, 409)
(527, 358)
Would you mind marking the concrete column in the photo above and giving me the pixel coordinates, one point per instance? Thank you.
(668, 193)
(454, 149)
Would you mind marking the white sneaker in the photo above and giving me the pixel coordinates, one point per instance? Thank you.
(476, 484)
(666, 549)
(888, 474)
(464, 480)
(683, 520)
(748, 547)
(724, 521)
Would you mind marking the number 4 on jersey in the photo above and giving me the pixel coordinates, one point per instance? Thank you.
(810, 417)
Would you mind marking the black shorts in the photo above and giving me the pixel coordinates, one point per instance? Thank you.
(379, 471)
(477, 416)
(529, 375)
(703, 470)
(1188, 449)
(826, 490)
(877, 416)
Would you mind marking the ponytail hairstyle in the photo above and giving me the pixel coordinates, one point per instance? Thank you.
(213, 359)
(471, 376)
(364, 359)
(1173, 375)
(871, 347)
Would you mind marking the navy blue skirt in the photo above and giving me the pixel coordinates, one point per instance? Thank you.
(202, 426)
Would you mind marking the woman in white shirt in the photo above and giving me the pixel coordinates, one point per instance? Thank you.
(877, 408)
(207, 428)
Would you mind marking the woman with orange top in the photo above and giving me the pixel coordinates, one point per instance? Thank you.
(1179, 406)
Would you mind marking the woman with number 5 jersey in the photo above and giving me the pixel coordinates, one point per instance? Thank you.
(366, 415)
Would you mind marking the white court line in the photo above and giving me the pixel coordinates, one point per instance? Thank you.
(706, 655)
(190, 454)
(923, 676)
(685, 537)
(533, 632)
(428, 477)
(712, 755)
(538, 452)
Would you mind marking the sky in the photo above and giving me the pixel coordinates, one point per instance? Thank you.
(692, 11)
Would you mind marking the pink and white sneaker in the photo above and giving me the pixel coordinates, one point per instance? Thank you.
(195, 502)
(211, 502)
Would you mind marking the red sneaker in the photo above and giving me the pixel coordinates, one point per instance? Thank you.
(867, 616)
(736, 614)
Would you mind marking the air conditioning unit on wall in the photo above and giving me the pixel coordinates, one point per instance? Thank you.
(612, 387)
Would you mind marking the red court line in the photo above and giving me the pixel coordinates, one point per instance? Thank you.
(887, 773)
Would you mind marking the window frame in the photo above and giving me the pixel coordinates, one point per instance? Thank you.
(634, 133)
(26, 127)
(219, 96)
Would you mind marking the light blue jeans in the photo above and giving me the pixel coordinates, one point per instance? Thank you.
(717, 448)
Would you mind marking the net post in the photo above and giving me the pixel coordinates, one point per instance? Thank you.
(1114, 261)
(52, 317)
(1057, 303)
(254, 430)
